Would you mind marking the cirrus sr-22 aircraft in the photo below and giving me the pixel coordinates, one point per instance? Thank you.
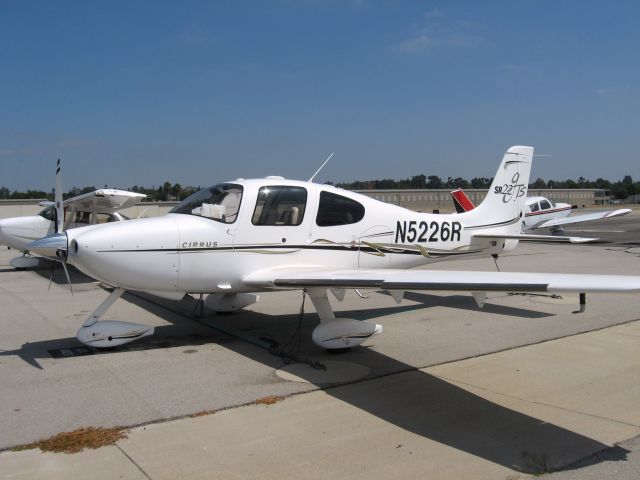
(242, 237)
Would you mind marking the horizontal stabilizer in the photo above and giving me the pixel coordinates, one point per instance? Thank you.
(523, 237)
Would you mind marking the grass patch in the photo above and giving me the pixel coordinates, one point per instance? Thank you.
(203, 413)
(77, 440)
(270, 400)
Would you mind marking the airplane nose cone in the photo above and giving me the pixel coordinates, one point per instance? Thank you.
(134, 254)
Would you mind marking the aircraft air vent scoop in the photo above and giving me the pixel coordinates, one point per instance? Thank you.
(274, 177)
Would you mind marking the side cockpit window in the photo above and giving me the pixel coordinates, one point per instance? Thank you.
(220, 203)
(278, 205)
(545, 205)
(338, 210)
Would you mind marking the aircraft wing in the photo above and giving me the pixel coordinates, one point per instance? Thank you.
(298, 278)
(524, 237)
(582, 218)
(105, 200)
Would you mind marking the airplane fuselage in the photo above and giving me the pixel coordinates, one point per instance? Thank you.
(540, 210)
(300, 224)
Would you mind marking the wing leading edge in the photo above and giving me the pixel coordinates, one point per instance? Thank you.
(443, 280)
(105, 200)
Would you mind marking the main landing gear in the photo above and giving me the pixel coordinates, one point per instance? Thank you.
(110, 333)
(338, 333)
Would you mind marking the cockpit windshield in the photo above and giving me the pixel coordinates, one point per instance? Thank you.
(49, 213)
(220, 203)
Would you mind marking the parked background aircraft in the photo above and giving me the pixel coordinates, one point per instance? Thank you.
(99, 206)
(246, 236)
(541, 212)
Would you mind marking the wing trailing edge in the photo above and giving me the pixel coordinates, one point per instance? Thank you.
(523, 237)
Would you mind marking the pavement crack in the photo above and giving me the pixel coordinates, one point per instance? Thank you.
(133, 461)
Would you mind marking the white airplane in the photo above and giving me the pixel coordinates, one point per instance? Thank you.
(99, 206)
(541, 212)
(239, 238)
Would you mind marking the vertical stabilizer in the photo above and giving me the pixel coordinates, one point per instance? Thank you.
(505, 201)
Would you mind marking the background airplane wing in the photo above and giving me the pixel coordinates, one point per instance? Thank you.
(582, 218)
(296, 278)
(106, 200)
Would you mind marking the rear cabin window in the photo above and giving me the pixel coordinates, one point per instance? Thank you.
(545, 205)
(535, 207)
(338, 210)
(280, 206)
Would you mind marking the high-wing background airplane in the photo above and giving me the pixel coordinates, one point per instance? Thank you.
(245, 236)
(99, 206)
(541, 212)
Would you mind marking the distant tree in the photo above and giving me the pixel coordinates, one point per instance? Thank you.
(539, 183)
(481, 182)
(176, 190)
(419, 181)
(434, 182)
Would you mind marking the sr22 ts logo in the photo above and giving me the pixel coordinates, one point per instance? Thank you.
(513, 191)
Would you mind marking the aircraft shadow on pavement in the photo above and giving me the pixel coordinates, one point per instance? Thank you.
(466, 302)
(417, 401)
(413, 400)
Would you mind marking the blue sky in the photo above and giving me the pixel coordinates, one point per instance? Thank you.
(200, 92)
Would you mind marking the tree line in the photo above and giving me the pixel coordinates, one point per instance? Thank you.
(620, 189)
(168, 191)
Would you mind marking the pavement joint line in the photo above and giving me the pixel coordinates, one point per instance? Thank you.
(133, 461)
(534, 402)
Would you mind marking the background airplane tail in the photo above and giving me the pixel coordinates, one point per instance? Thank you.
(461, 201)
(505, 201)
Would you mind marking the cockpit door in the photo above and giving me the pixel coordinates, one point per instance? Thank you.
(275, 221)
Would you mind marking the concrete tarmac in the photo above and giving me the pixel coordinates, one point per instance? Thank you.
(447, 389)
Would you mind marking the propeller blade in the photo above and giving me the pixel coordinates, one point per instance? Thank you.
(66, 272)
(53, 267)
(58, 200)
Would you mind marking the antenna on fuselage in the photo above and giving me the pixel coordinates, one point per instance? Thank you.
(318, 171)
